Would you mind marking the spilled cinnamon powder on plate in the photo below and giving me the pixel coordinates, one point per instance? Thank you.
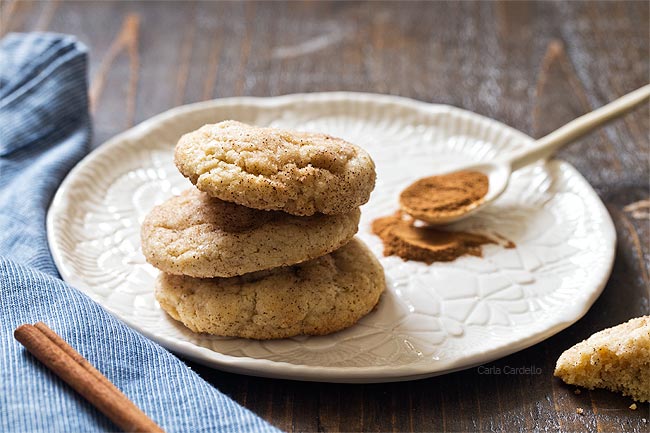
(428, 200)
(401, 237)
(435, 197)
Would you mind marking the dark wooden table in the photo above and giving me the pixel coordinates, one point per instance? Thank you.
(533, 66)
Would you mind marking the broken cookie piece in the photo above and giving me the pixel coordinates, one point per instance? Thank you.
(617, 359)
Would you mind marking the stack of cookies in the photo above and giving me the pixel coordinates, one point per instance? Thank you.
(263, 246)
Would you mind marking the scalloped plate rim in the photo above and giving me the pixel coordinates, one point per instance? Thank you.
(285, 370)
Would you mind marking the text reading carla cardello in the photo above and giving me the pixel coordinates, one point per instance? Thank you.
(507, 369)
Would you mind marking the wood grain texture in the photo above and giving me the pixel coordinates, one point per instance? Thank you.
(532, 65)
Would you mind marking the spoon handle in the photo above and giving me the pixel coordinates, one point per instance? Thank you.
(575, 129)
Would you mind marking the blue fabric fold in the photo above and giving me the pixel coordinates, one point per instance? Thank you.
(44, 131)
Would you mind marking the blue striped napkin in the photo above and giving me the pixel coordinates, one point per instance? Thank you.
(44, 131)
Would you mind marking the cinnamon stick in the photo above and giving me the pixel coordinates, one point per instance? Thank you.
(77, 372)
(78, 358)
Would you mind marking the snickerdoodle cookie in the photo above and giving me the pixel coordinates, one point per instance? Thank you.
(196, 235)
(273, 169)
(617, 358)
(317, 297)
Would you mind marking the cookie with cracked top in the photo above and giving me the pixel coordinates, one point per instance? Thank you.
(196, 235)
(299, 173)
(317, 297)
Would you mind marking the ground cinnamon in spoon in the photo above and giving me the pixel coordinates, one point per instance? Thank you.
(435, 197)
(425, 244)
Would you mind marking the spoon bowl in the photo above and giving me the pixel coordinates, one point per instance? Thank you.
(498, 174)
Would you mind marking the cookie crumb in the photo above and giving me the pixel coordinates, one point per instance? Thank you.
(633, 406)
(577, 391)
(580, 411)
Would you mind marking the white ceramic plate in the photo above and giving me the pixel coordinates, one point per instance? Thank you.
(432, 319)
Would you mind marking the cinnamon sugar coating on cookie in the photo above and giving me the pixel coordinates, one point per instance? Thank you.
(200, 236)
(273, 169)
(317, 297)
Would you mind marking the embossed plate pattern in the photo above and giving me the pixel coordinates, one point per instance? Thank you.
(432, 319)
